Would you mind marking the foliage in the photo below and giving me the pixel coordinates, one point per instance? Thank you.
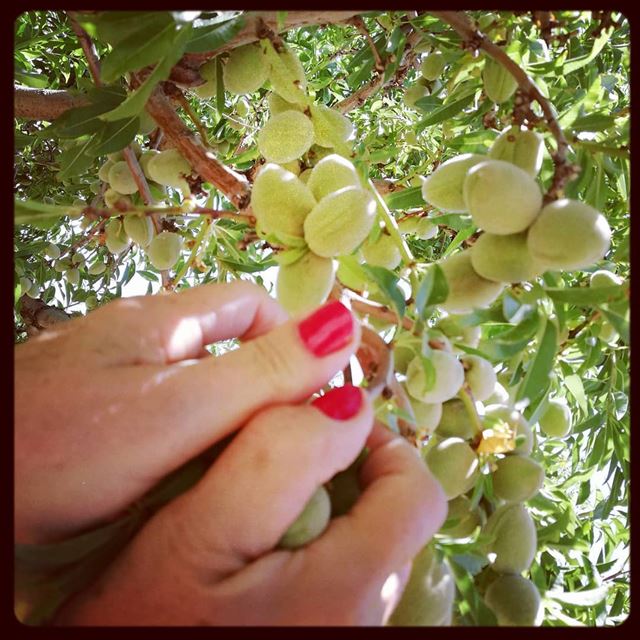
(544, 337)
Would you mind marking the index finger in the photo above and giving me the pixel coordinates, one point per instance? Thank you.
(171, 327)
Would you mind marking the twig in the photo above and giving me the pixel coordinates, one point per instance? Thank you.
(84, 240)
(88, 48)
(359, 97)
(174, 92)
(407, 430)
(379, 311)
(571, 335)
(138, 175)
(392, 227)
(247, 216)
(94, 67)
(477, 40)
(359, 24)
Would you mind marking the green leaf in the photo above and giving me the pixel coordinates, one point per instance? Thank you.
(537, 377)
(211, 37)
(248, 267)
(429, 103)
(432, 290)
(593, 122)
(405, 199)
(135, 102)
(574, 385)
(30, 211)
(76, 160)
(587, 598)
(587, 296)
(145, 46)
(115, 136)
(461, 236)
(115, 27)
(388, 283)
(77, 122)
(398, 44)
(33, 80)
(446, 112)
(108, 95)
(580, 61)
(21, 140)
(620, 323)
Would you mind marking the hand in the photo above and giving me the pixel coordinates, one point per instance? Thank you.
(108, 404)
(202, 559)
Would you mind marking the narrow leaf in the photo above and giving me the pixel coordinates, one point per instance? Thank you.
(211, 37)
(537, 377)
(76, 160)
(134, 104)
(115, 136)
(145, 46)
(388, 283)
(445, 112)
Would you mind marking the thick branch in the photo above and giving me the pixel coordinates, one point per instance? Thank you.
(249, 33)
(233, 185)
(40, 315)
(44, 104)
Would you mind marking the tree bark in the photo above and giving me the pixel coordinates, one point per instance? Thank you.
(44, 104)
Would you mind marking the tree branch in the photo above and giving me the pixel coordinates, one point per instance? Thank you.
(233, 185)
(359, 24)
(44, 104)
(88, 48)
(476, 39)
(359, 97)
(249, 33)
(39, 315)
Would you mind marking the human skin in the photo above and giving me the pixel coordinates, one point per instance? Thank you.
(108, 404)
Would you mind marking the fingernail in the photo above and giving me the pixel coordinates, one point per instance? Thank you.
(328, 329)
(340, 403)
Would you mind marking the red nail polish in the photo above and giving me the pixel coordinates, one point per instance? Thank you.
(340, 403)
(328, 329)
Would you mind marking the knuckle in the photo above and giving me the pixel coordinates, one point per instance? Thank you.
(275, 365)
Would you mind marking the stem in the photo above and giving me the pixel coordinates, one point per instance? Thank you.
(379, 311)
(138, 175)
(184, 103)
(44, 104)
(392, 226)
(205, 230)
(215, 214)
(358, 98)
(465, 395)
